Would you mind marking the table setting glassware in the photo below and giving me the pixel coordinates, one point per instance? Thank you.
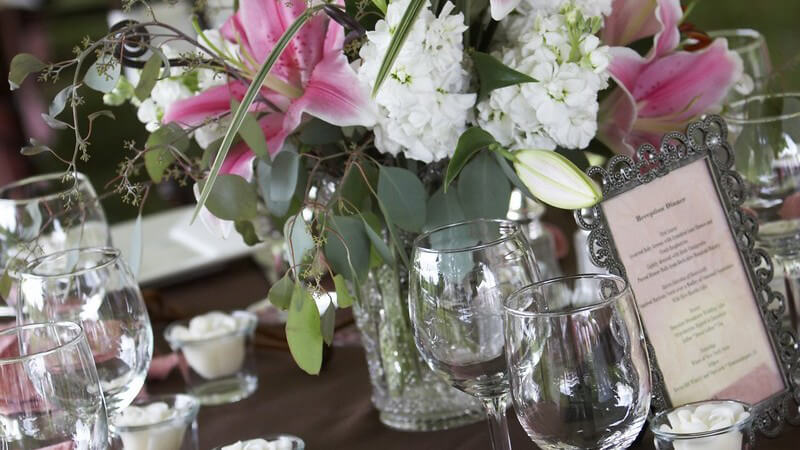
(163, 422)
(577, 364)
(48, 213)
(460, 275)
(708, 425)
(50, 389)
(95, 288)
(217, 348)
(268, 442)
(751, 47)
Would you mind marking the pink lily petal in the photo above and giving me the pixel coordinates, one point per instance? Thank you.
(632, 20)
(207, 104)
(617, 116)
(669, 15)
(501, 8)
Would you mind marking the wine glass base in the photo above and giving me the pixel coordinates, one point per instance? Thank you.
(226, 390)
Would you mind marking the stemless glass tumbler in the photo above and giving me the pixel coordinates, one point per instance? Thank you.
(49, 391)
(578, 365)
(46, 214)
(95, 288)
(460, 276)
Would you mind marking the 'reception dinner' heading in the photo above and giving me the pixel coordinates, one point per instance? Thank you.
(654, 212)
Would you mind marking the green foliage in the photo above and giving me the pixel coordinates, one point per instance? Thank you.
(148, 77)
(318, 132)
(377, 241)
(283, 182)
(251, 133)
(233, 198)
(398, 39)
(159, 148)
(328, 323)
(5, 283)
(343, 297)
(493, 74)
(471, 141)
(247, 231)
(104, 74)
(303, 331)
(483, 188)
(444, 208)
(403, 196)
(347, 247)
(354, 190)
(280, 294)
(576, 157)
(23, 65)
(300, 240)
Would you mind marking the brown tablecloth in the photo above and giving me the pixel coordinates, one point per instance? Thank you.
(329, 411)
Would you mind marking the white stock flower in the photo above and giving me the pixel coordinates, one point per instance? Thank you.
(423, 103)
(589, 8)
(164, 93)
(560, 108)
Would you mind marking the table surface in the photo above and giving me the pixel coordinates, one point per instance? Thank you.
(329, 411)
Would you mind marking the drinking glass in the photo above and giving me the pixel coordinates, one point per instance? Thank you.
(45, 214)
(460, 275)
(578, 365)
(94, 287)
(751, 46)
(49, 390)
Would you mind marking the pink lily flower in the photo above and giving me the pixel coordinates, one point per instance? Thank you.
(666, 89)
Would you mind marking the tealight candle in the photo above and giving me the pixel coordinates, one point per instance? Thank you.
(160, 423)
(710, 425)
(277, 442)
(215, 346)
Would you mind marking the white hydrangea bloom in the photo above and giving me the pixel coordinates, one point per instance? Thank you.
(589, 8)
(423, 103)
(560, 108)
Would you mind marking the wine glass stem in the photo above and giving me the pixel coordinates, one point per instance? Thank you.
(498, 424)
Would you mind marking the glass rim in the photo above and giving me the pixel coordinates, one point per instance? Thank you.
(190, 412)
(179, 343)
(701, 434)
(61, 324)
(503, 222)
(270, 437)
(756, 36)
(110, 256)
(761, 98)
(79, 177)
(597, 305)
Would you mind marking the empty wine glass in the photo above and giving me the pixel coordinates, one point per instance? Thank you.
(460, 275)
(751, 47)
(94, 287)
(578, 365)
(46, 214)
(49, 390)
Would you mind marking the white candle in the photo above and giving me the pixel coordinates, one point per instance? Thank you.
(281, 443)
(214, 343)
(168, 436)
(704, 418)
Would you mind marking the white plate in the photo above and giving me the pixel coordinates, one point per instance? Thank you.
(173, 249)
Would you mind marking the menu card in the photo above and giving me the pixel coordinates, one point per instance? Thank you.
(694, 296)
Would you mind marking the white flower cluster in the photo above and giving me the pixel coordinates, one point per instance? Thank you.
(589, 8)
(568, 62)
(423, 103)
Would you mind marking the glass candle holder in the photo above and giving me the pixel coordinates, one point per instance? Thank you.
(218, 360)
(268, 442)
(737, 436)
(166, 422)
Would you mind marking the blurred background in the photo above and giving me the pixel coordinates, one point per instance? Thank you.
(50, 30)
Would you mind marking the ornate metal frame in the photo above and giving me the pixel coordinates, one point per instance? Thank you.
(706, 139)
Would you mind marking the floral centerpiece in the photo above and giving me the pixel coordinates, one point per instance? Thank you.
(356, 124)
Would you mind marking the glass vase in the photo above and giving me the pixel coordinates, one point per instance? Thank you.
(408, 395)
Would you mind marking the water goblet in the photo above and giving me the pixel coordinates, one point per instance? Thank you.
(580, 377)
(95, 288)
(49, 391)
(460, 275)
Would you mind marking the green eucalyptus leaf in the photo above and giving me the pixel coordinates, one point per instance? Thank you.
(484, 189)
(512, 176)
(318, 132)
(104, 74)
(280, 294)
(444, 208)
(354, 190)
(493, 74)
(252, 133)
(343, 297)
(159, 149)
(263, 176)
(470, 142)
(398, 39)
(283, 181)
(378, 242)
(54, 123)
(249, 96)
(233, 198)
(148, 77)
(60, 101)
(403, 196)
(328, 324)
(554, 180)
(303, 331)
(347, 247)
(23, 65)
(247, 231)
(381, 5)
(299, 239)
(5, 284)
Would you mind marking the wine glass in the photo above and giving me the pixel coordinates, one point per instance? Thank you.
(45, 214)
(751, 46)
(460, 275)
(94, 287)
(578, 363)
(50, 390)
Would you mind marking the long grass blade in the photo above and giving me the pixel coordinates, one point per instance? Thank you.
(398, 39)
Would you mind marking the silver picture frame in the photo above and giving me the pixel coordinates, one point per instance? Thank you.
(704, 139)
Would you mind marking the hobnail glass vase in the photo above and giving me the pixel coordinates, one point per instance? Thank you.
(408, 395)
